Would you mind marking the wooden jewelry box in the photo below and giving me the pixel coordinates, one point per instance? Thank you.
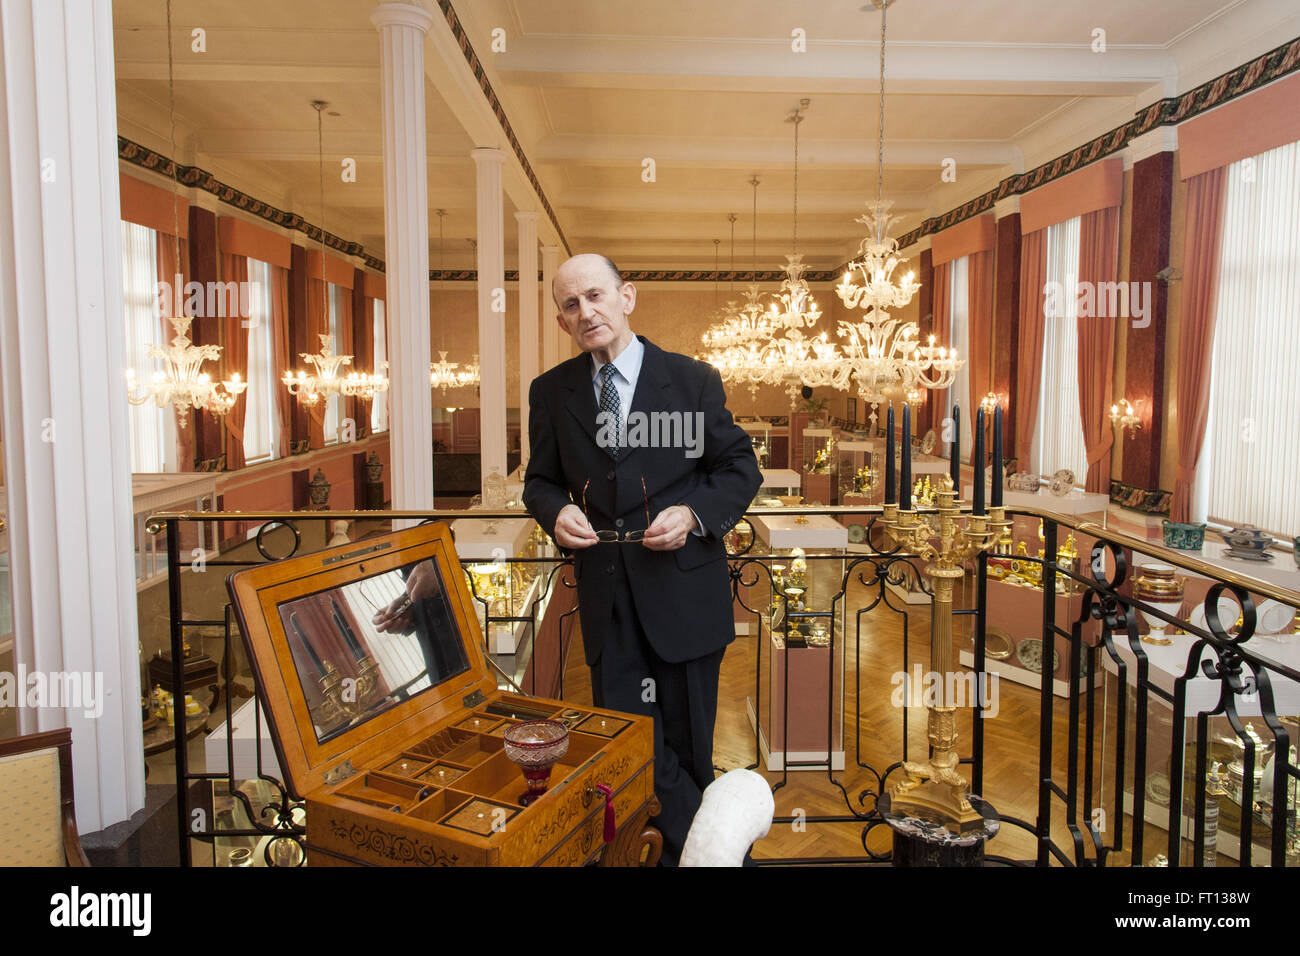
(395, 738)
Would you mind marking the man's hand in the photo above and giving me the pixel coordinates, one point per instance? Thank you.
(669, 529)
(573, 530)
(396, 617)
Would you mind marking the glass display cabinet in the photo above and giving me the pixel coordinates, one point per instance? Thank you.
(760, 433)
(801, 641)
(859, 471)
(818, 466)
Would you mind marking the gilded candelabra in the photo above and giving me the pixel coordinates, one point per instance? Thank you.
(935, 788)
(346, 701)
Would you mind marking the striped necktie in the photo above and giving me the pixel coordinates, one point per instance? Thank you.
(610, 405)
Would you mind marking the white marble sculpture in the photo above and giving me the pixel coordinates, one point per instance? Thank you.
(736, 810)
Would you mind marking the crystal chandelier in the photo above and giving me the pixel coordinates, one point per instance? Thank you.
(443, 374)
(183, 383)
(887, 360)
(325, 382)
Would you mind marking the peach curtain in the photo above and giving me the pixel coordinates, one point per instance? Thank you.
(280, 354)
(979, 297)
(168, 268)
(234, 358)
(317, 325)
(1196, 327)
(940, 307)
(1033, 276)
(1098, 262)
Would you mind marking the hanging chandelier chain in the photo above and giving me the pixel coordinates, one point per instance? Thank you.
(171, 116)
(880, 128)
(731, 275)
(753, 248)
(798, 118)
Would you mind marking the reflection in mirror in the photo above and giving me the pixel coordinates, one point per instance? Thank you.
(363, 647)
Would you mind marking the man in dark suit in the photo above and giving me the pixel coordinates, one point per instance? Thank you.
(638, 470)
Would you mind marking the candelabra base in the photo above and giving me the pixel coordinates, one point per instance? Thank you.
(921, 840)
(945, 804)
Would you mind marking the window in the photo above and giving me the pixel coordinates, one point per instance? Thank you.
(151, 448)
(261, 417)
(1058, 433)
(1245, 472)
(335, 300)
(379, 407)
(959, 339)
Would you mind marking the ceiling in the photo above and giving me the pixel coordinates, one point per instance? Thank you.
(595, 88)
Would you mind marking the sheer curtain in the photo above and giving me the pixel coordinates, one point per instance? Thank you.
(261, 415)
(143, 329)
(1250, 456)
(379, 407)
(1058, 432)
(335, 297)
(959, 339)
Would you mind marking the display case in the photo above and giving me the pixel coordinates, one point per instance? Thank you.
(818, 465)
(504, 590)
(760, 433)
(389, 726)
(859, 470)
(802, 642)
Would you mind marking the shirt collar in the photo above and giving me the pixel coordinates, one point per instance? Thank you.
(628, 361)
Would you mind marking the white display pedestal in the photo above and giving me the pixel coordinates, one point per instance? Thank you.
(244, 732)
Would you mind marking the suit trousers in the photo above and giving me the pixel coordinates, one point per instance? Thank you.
(683, 700)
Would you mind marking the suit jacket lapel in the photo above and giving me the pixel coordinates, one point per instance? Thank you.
(652, 387)
(582, 397)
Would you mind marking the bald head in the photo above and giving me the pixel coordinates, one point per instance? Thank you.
(585, 260)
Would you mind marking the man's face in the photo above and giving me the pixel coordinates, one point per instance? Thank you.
(593, 306)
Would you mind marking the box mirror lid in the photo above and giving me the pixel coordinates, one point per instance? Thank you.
(359, 647)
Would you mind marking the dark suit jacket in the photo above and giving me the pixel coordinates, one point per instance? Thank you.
(683, 597)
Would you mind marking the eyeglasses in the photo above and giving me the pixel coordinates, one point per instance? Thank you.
(611, 536)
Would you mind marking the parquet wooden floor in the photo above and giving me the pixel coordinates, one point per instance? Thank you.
(1010, 747)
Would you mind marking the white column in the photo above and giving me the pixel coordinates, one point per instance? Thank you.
(528, 354)
(491, 310)
(550, 330)
(402, 29)
(62, 350)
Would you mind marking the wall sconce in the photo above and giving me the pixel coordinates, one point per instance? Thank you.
(1122, 414)
(989, 403)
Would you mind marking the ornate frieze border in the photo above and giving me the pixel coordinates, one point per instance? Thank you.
(476, 67)
(1166, 112)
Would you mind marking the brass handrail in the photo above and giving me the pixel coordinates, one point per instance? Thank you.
(1178, 558)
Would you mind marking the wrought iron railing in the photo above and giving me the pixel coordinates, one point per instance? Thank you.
(1224, 673)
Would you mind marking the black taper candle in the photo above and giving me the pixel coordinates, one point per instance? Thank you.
(905, 475)
(977, 460)
(891, 493)
(954, 466)
(311, 651)
(341, 623)
(997, 457)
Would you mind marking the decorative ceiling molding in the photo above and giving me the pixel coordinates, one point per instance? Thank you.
(462, 39)
(1170, 111)
(194, 177)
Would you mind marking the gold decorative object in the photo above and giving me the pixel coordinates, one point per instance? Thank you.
(1158, 586)
(934, 787)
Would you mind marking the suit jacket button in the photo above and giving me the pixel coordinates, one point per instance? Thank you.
(610, 476)
(609, 569)
(618, 523)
